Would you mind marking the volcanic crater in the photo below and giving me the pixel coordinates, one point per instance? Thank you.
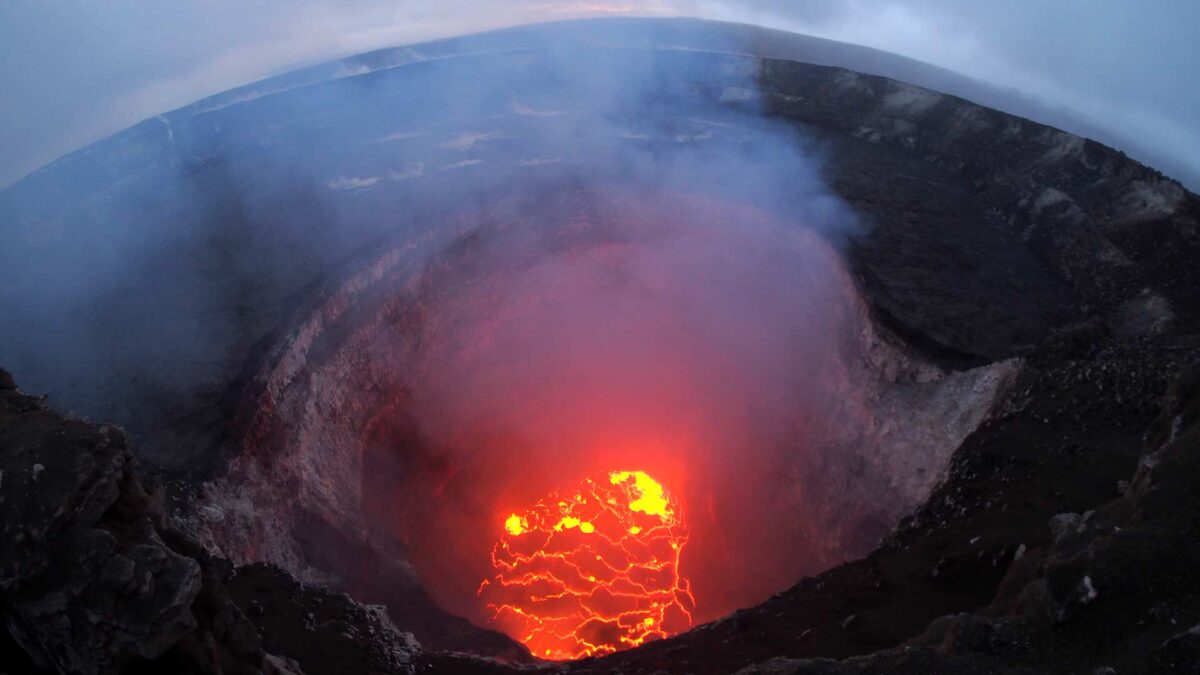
(726, 354)
(868, 360)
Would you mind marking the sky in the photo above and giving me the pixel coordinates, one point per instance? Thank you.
(75, 71)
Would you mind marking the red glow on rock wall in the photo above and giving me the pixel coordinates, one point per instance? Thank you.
(691, 340)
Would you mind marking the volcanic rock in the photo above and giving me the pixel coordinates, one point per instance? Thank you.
(1089, 599)
(89, 585)
(94, 579)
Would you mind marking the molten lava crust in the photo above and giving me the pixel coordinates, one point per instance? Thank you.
(592, 571)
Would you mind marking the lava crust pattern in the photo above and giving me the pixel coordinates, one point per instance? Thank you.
(593, 570)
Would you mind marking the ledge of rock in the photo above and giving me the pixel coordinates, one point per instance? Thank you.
(1114, 592)
(94, 579)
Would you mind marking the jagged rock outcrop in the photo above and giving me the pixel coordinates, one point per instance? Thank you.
(323, 631)
(1115, 591)
(94, 580)
(88, 583)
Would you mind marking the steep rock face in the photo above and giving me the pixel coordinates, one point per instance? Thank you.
(887, 423)
(998, 207)
(95, 581)
(1071, 429)
(322, 631)
(1114, 591)
(89, 585)
(1040, 554)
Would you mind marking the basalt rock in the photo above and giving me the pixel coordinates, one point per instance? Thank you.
(88, 583)
(95, 580)
(1115, 591)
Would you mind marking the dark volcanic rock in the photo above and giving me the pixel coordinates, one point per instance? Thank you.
(988, 230)
(93, 579)
(323, 631)
(1110, 589)
(88, 584)
(1069, 432)
(1116, 588)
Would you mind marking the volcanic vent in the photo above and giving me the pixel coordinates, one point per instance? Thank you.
(592, 571)
(591, 418)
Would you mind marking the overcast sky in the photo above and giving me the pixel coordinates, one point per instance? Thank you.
(74, 71)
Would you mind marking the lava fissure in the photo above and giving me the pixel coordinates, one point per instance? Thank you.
(594, 572)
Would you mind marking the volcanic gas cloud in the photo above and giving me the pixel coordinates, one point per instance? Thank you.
(576, 375)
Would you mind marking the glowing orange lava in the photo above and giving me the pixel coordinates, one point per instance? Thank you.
(594, 571)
